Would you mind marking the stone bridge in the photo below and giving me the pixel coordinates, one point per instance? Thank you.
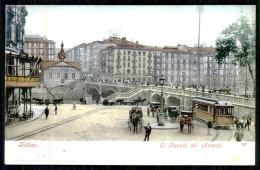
(183, 98)
(78, 89)
(128, 92)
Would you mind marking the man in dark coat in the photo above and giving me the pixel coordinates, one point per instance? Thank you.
(148, 131)
(47, 112)
(56, 108)
(237, 123)
(209, 126)
(135, 122)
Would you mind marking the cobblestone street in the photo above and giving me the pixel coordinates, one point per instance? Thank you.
(109, 123)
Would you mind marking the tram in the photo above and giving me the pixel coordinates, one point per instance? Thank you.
(221, 112)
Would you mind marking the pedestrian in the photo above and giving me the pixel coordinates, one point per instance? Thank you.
(97, 101)
(135, 122)
(74, 105)
(209, 126)
(248, 122)
(244, 124)
(238, 135)
(237, 123)
(148, 131)
(56, 108)
(157, 114)
(46, 112)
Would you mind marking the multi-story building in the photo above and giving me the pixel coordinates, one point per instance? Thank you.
(88, 55)
(127, 61)
(36, 45)
(21, 70)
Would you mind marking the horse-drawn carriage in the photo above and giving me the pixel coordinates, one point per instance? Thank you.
(173, 113)
(152, 107)
(186, 119)
(58, 101)
(135, 117)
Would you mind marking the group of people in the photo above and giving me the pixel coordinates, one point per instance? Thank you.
(46, 111)
(246, 121)
(239, 134)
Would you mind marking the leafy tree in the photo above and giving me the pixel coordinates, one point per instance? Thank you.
(237, 40)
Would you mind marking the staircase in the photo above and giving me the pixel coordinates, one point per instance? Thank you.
(126, 96)
(49, 91)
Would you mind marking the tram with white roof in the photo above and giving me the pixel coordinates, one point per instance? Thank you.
(221, 112)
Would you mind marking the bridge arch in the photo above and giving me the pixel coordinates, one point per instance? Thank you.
(94, 92)
(156, 97)
(173, 101)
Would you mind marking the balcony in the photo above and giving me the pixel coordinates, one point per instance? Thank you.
(21, 81)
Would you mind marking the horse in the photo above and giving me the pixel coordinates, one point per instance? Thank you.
(37, 99)
(186, 121)
(190, 124)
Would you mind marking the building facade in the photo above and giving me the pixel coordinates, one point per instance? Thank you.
(55, 73)
(21, 70)
(127, 63)
(36, 45)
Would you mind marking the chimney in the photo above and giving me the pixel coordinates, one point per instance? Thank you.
(123, 38)
(136, 42)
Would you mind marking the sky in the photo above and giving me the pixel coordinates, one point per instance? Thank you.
(149, 25)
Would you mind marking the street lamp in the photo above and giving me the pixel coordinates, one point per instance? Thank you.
(183, 74)
(161, 114)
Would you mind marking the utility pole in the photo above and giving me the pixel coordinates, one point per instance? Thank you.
(199, 10)
(246, 83)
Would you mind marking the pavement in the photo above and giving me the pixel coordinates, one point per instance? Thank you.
(37, 110)
(109, 123)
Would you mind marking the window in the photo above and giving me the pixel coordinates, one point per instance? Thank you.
(139, 59)
(129, 52)
(73, 75)
(128, 58)
(123, 64)
(139, 65)
(124, 58)
(143, 65)
(65, 75)
(139, 72)
(58, 75)
(50, 75)
(124, 53)
(34, 44)
(34, 51)
(128, 64)
(143, 53)
(30, 44)
(123, 71)
(144, 72)
(128, 71)
(143, 59)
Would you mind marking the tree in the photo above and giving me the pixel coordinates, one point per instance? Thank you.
(237, 40)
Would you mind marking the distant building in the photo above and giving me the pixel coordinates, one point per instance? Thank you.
(60, 72)
(36, 45)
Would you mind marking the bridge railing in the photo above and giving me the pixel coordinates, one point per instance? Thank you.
(187, 92)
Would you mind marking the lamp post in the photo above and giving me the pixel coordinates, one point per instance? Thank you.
(161, 114)
(183, 74)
